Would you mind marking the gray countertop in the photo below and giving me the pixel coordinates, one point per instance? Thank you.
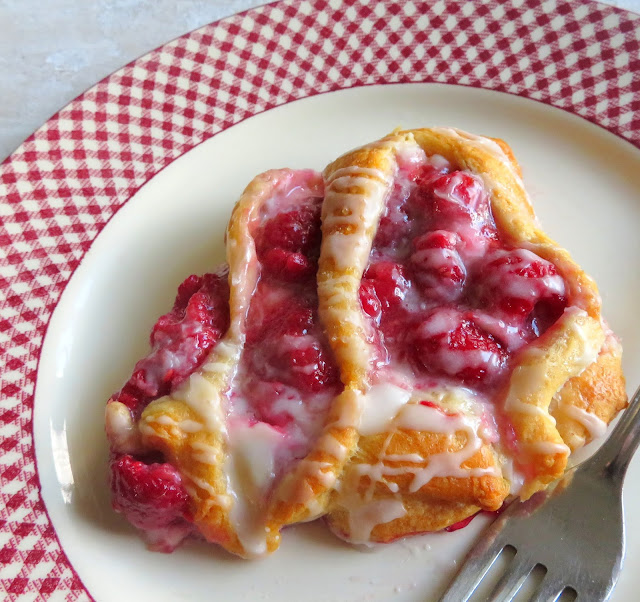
(52, 51)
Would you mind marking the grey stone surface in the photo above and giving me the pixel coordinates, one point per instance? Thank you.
(52, 50)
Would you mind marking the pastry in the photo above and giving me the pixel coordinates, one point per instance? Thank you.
(474, 342)
(238, 394)
(393, 344)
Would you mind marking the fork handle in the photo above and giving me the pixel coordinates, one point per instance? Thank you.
(616, 452)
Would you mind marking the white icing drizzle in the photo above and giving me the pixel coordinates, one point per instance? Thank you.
(426, 418)
(323, 472)
(249, 467)
(512, 474)
(419, 417)
(222, 500)
(365, 512)
(122, 432)
(381, 404)
(361, 210)
(188, 426)
(203, 452)
(357, 170)
(595, 426)
(334, 448)
(548, 447)
(314, 508)
(590, 347)
(526, 380)
(530, 376)
(364, 517)
(203, 397)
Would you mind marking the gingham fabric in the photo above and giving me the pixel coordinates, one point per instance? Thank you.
(59, 189)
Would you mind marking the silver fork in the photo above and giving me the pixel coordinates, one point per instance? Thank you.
(574, 529)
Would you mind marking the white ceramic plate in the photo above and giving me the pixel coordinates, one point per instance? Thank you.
(584, 183)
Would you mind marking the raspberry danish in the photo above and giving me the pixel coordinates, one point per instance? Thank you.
(394, 344)
(473, 342)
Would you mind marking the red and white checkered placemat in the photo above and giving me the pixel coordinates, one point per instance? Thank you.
(59, 189)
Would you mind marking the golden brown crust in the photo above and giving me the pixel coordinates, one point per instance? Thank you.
(421, 516)
(355, 216)
(599, 391)
(486, 491)
(305, 492)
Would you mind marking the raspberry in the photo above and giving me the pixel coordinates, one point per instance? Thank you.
(458, 194)
(181, 340)
(298, 320)
(267, 395)
(437, 265)
(288, 245)
(297, 230)
(288, 266)
(394, 223)
(425, 175)
(515, 281)
(389, 282)
(284, 345)
(151, 496)
(448, 342)
(369, 300)
(297, 361)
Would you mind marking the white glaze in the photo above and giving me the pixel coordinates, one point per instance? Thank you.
(203, 452)
(526, 381)
(203, 397)
(122, 432)
(364, 517)
(548, 448)
(188, 426)
(249, 467)
(419, 417)
(380, 406)
(595, 426)
(512, 474)
(334, 448)
(504, 276)
(590, 346)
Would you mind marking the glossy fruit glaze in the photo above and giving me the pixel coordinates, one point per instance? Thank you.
(444, 294)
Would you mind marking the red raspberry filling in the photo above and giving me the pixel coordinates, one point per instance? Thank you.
(285, 344)
(448, 342)
(288, 244)
(180, 340)
(151, 496)
(448, 296)
(437, 266)
(287, 376)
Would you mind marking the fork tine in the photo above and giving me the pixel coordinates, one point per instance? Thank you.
(476, 566)
(512, 580)
(548, 591)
